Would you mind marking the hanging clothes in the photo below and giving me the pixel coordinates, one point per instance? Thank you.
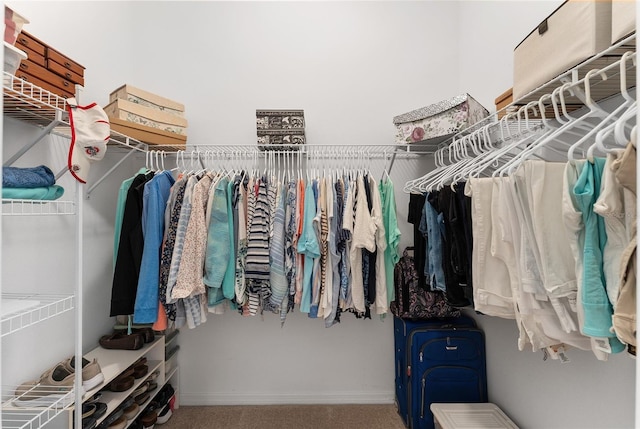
(146, 304)
(127, 269)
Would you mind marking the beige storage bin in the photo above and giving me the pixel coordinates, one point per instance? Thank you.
(574, 32)
(623, 19)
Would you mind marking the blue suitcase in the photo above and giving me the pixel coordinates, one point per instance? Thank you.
(440, 360)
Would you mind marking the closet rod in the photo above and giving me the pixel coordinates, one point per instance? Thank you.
(306, 149)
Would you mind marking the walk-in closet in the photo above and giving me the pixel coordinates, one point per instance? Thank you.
(247, 316)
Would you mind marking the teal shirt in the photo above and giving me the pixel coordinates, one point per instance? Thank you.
(308, 246)
(392, 234)
(595, 303)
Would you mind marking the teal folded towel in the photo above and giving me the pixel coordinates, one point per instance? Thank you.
(43, 193)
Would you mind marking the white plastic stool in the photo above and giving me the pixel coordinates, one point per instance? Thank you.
(470, 416)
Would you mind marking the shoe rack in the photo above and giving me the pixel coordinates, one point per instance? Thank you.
(115, 362)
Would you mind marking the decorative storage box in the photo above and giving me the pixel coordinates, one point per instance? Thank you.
(148, 116)
(575, 31)
(280, 127)
(438, 120)
(623, 19)
(147, 99)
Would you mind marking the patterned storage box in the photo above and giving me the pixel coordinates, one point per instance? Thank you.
(280, 127)
(438, 120)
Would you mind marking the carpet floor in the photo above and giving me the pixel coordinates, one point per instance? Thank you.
(286, 417)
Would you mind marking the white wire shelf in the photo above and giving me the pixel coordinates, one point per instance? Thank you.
(37, 208)
(20, 311)
(28, 102)
(35, 407)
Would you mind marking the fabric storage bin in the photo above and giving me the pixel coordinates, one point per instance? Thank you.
(438, 120)
(147, 99)
(623, 19)
(574, 32)
(142, 115)
(280, 127)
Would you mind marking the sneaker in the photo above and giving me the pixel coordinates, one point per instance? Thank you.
(92, 375)
(54, 385)
(164, 415)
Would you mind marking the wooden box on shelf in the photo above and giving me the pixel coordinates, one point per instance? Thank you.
(47, 67)
(502, 101)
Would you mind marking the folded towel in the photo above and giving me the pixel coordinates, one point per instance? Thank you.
(44, 193)
(32, 177)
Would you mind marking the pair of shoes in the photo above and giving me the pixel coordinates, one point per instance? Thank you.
(92, 375)
(122, 382)
(144, 387)
(140, 368)
(113, 420)
(165, 394)
(89, 423)
(122, 341)
(120, 423)
(148, 334)
(101, 409)
(131, 411)
(149, 419)
(142, 398)
(164, 415)
(53, 385)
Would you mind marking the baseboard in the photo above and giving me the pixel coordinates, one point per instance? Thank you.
(199, 399)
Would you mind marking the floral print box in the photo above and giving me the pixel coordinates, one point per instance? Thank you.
(438, 120)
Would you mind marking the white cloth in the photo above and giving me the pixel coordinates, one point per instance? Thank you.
(610, 205)
(492, 293)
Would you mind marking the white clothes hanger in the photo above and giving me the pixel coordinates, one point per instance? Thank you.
(605, 119)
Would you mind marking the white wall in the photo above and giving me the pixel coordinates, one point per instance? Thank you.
(352, 67)
(535, 393)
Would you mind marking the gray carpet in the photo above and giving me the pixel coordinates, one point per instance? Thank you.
(286, 417)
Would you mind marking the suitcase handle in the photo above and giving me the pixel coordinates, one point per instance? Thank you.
(450, 348)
